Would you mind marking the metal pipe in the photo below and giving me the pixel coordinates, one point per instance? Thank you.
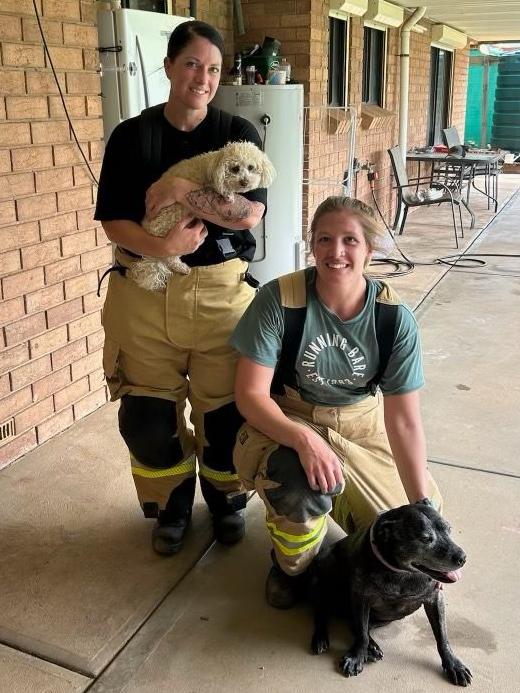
(239, 17)
(404, 80)
(193, 9)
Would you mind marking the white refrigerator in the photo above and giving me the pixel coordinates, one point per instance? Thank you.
(132, 48)
(277, 113)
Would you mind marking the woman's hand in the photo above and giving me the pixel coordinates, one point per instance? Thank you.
(163, 193)
(320, 463)
(185, 237)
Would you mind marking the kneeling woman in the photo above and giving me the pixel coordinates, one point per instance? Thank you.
(328, 383)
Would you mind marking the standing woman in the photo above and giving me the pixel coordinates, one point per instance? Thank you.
(327, 428)
(163, 348)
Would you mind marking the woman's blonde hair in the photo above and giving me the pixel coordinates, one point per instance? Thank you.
(363, 212)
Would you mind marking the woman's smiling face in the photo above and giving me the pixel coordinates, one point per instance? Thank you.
(340, 247)
(194, 73)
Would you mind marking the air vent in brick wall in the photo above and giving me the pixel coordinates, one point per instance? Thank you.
(6, 430)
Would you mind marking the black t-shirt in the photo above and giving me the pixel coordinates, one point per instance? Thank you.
(125, 178)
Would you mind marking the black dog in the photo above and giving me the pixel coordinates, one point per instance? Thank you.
(384, 574)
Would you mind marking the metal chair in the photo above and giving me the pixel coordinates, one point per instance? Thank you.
(408, 195)
(490, 172)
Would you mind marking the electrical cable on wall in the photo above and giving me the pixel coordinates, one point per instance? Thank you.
(47, 52)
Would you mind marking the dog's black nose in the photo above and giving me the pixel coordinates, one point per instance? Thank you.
(459, 557)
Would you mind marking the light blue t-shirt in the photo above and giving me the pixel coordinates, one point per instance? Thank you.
(337, 358)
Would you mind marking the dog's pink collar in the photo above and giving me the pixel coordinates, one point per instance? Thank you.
(378, 554)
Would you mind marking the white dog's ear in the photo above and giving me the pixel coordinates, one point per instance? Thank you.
(267, 172)
(217, 171)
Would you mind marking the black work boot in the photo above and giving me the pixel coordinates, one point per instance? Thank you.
(229, 524)
(172, 523)
(282, 591)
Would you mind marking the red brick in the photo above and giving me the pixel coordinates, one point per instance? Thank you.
(11, 310)
(83, 83)
(30, 372)
(62, 270)
(10, 28)
(7, 212)
(69, 354)
(57, 226)
(34, 415)
(68, 154)
(61, 9)
(50, 341)
(90, 403)
(20, 331)
(76, 106)
(16, 448)
(31, 158)
(11, 358)
(26, 107)
(54, 425)
(86, 219)
(88, 11)
(80, 35)
(78, 286)
(19, 7)
(5, 386)
(14, 184)
(83, 176)
(86, 365)
(51, 384)
(36, 206)
(31, 33)
(22, 55)
(84, 326)
(5, 161)
(42, 254)
(43, 82)
(94, 106)
(74, 199)
(88, 129)
(101, 237)
(95, 259)
(65, 58)
(44, 298)
(50, 132)
(95, 341)
(12, 404)
(22, 283)
(71, 394)
(92, 301)
(12, 82)
(54, 179)
(64, 313)
(10, 262)
(78, 243)
(96, 379)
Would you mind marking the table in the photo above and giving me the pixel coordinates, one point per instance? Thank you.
(467, 167)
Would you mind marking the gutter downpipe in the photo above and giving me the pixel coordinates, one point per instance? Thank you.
(404, 82)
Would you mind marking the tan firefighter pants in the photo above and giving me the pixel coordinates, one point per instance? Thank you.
(357, 435)
(173, 346)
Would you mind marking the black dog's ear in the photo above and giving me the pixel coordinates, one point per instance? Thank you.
(385, 529)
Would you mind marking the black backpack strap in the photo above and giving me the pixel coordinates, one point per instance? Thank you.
(385, 315)
(293, 297)
(150, 137)
(224, 128)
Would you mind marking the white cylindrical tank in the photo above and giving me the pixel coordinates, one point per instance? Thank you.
(277, 114)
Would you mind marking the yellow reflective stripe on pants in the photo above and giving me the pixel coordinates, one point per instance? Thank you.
(294, 544)
(209, 473)
(185, 467)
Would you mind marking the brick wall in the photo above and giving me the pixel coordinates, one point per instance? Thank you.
(52, 250)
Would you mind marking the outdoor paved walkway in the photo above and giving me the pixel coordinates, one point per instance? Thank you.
(86, 605)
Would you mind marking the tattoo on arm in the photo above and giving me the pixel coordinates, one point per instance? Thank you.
(207, 201)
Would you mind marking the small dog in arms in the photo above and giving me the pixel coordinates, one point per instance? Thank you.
(385, 573)
(235, 168)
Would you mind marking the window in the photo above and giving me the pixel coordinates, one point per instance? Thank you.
(440, 81)
(338, 42)
(374, 49)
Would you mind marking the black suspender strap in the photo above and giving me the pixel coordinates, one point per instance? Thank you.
(385, 318)
(285, 373)
(150, 136)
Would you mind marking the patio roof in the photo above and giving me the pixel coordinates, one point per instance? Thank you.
(481, 20)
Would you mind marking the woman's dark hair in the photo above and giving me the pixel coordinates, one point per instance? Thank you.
(185, 32)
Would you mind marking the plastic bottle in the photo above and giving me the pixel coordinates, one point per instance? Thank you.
(287, 67)
(237, 70)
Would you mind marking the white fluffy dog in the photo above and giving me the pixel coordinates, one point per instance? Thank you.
(235, 168)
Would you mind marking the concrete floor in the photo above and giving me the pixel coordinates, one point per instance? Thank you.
(86, 605)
